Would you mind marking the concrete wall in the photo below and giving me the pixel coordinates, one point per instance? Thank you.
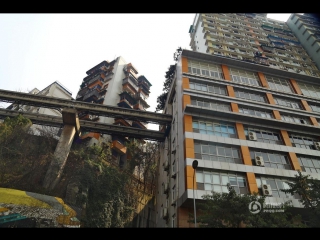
(307, 41)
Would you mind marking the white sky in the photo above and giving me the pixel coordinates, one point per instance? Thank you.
(38, 49)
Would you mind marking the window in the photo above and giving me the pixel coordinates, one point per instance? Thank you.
(314, 108)
(295, 119)
(201, 68)
(213, 128)
(310, 165)
(211, 88)
(214, 152)
(265, 136)
(303, 141)
(272, 159)
(250, 96)
(258, 113)
(244, 77)
(210, 104)
(310, 90)
(217, 181)
(288, 103)
(278, 84)
(173, 193)
(276, 185)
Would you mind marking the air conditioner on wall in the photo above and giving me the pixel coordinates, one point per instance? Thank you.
(266, 190)
(259, 161)
(252, 136)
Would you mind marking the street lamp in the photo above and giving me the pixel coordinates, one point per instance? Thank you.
(194, 166)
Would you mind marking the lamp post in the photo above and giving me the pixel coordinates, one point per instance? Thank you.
(194, 166)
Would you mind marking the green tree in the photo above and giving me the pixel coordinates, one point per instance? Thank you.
(309, 190)
(231, 210)
(169, 77)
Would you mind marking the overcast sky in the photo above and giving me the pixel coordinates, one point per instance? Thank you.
(38, 49)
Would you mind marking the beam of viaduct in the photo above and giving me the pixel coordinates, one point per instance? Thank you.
(104, 128)
(95, 109)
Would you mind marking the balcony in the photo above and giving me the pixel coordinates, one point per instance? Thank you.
(132, 84)
(261, 60)
(279, 45)
(118, 147)
(98, 72)
(100, 100)
(126, 100)
(98, 79)
(267, 48)
(141, 95)
(118, 144)
(144, 88)
(90, 135)
(81, 93)
(120, 121)
(137, 124)
(92, 95)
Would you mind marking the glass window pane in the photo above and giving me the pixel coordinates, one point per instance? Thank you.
(217, 188)
(197, 148)
(221, 151)
(235, 153)
(225, 189)
(205, 149)
(228, 152)
(225, 180)
(241, 182)
(258, 182)
(207, 187)
(233, 181)
(207, 178)
(212, 150)
(199, 177)
(216, 179)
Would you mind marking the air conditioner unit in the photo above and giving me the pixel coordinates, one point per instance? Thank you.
(317, 145)
(266, 190)
(165, 213)
(259, 161)
(252, 136)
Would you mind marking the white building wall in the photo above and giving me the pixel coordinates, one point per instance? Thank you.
(199, 38)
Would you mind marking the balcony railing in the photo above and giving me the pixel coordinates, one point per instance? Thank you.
(261, 60)
(92, 95)
(81, 93)
(97, 78)
(132, 83)
(94, 74)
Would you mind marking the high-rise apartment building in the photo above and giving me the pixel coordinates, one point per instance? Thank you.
(114, 83)
(306, 28)
(246, 105)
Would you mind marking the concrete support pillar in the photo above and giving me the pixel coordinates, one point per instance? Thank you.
(71, 121)
(60, 157)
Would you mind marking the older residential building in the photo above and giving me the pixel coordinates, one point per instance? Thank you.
(114, 83)
(55, 89)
